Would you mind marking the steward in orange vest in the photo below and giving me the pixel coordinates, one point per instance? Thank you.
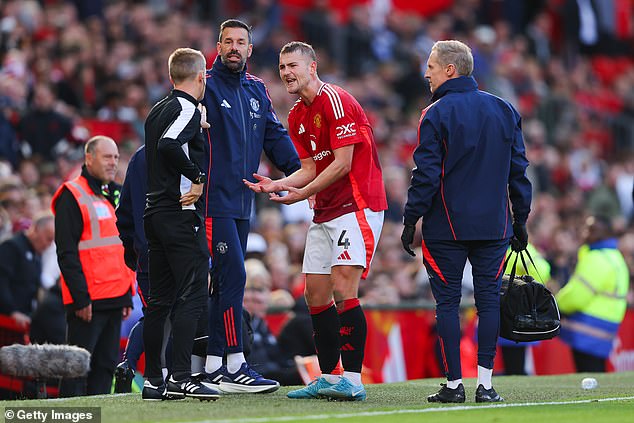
(100, 249)
(96, 284)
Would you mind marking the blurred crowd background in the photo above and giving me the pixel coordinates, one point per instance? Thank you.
(72, 69)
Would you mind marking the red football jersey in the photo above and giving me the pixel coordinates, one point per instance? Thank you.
(335, 119)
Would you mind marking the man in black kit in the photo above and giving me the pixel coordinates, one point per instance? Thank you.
(173, 223)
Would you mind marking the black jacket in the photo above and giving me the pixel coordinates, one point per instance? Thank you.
(173, 151)
(20, 272)
(69, 225)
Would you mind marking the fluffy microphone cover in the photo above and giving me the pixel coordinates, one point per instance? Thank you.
(44, 361)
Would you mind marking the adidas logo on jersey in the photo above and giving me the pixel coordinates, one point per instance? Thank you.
(225, 103)
(344, 256)
(301, 129)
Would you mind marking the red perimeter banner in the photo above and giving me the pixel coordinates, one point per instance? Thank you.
(401, 345)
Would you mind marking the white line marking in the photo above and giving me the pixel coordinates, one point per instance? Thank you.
(406, 411)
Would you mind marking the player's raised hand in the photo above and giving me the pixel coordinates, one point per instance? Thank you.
(294, 195)
(263, 184)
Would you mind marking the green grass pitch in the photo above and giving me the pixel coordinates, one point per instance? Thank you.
(534, 399)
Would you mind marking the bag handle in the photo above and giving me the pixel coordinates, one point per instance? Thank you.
(520, 254)
(514, 267)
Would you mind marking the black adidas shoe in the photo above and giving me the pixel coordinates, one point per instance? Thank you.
(153, 392)
(210, 380)
(448, 395)
(191, 387)
(487, 395)
(123, 376)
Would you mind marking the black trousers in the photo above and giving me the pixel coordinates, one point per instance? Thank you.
(100, 337)
(514, 360)
(586, 363)
(178, 269)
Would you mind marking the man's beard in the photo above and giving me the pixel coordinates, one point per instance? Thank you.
(233, 66)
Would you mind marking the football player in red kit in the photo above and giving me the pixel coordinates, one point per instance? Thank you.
(340, 167)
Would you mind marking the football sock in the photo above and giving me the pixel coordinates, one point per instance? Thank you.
(331, 378)
(234, 361)
(484, 377)
(353, 377)
(198, 364)
(326, 336)
(453, 384)
(213, 363)
(352, 333)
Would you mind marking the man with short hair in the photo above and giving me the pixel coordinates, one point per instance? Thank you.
(341, 169)
(21, 268)
(243, 125)
(96, 284)
(175, 230)
(470, 162)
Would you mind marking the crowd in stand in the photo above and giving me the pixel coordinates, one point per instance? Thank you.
(68, 69)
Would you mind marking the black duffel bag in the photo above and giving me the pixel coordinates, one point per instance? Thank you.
(528, 310)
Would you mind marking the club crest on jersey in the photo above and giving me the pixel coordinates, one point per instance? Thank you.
(221, 247)
(317, 120)
(255, 105)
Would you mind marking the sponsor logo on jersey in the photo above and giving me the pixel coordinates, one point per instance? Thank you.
(321, 155)
(301, 129)
(348, 130)
(225, 103)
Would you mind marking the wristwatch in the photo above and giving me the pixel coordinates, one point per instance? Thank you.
(200, 179)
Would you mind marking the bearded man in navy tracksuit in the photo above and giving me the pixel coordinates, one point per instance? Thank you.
(243, 124)
(469, 163)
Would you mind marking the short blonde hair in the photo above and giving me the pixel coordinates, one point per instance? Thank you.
(185, 63)
(457, 53)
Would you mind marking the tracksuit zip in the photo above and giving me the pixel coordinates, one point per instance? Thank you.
(244, 144)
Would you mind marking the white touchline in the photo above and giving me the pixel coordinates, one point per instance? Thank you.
(406, 411)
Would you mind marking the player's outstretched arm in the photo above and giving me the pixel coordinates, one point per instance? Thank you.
(297, 179)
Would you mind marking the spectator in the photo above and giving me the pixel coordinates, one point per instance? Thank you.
(13, 201)
(48, 323)
(43, 128)
(21, 269)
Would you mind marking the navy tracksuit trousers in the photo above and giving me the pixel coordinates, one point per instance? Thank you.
(228, 246)
(445, 261)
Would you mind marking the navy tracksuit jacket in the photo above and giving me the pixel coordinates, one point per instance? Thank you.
(469, 163)
(243, 124)
(130, 215)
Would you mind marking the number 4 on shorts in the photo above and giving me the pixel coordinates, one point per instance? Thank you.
(343, 242)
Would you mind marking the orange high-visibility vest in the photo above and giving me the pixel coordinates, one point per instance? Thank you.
(100, 249)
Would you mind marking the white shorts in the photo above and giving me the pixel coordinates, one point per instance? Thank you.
(348, 240)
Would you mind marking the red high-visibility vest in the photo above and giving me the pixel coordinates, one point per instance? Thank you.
(100, 249)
